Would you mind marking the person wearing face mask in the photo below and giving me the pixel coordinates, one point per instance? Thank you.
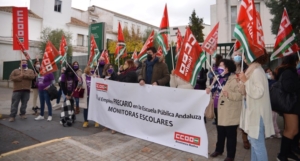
(129, 74)
(237, 58)
(34, 88)
(215, 63)
(108, 72)
(228, 100)
(154, 70)
(22, 79)
(78, 71)
(85, 82)
(100, 67)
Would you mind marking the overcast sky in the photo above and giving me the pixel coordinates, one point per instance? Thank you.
(149, 11)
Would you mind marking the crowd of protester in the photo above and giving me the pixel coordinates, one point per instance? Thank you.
(239, 92)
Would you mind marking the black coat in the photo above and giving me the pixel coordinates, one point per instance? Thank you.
(201, 79)
(129, 76)
(290, 84)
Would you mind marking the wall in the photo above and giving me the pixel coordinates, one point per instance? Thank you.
(75, 30)
(33, 24)
(7, 54)
(50, 17)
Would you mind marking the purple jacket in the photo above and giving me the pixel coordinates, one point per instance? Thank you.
(45, 81)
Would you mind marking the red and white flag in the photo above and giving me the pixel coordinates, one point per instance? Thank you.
(48, 64)
(164, 32)
(285, 41)
(149, 43)
(134, 55)
(92, 50)
(190, 59)
(121, 46)
(105, 56)
(20, 27)
(211, 42)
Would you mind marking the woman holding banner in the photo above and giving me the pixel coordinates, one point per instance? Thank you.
(85, 80)
(108, 72)
(228, 100)
(129, 73)
(256, 116)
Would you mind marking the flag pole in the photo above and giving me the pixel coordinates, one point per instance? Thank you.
(172, 55)
(230, 49)
(21, 62)
(242, 67)
(213, 72)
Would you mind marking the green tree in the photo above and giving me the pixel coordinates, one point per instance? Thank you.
(196, 26)
(292, 7)
(55, 36)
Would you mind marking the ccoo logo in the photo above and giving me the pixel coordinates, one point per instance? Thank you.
(101, 87)
(190, 139)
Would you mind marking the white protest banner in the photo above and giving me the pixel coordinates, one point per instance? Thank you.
(168, 116)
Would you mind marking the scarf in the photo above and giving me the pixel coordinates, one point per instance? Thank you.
(149, 69)
(222, 79)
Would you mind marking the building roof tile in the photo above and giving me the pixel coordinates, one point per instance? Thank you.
(77, 22)
(9, 9)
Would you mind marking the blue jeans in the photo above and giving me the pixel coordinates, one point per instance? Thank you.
(258, 146)
(85, 111)
(76, 102)
(59, 93)
(44, 97)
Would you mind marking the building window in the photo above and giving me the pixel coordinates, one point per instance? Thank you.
(233, 20)
(80, 40)
(257, 7)
(57, 5)
(175, 28)
(139, 28)
(133, 26)
(126, 24)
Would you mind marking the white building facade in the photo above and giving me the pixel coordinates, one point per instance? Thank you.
(226, 11)
(58, 14)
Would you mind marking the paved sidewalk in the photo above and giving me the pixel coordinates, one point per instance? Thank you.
(97, 145)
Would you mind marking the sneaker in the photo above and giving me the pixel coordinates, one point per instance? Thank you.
(293, 157)
(54, 105)
(85, 124)
(49, 118)
(11, 119)
(23, 116)
(96, 124)
(39, 118)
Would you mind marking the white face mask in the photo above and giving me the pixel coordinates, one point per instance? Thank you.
(268, 76)
(37, 66)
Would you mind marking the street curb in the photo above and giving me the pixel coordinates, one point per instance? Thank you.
(33, 146)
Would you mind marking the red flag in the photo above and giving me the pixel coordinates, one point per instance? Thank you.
(121, 46)
(105, 56)
(92, 49)
(190, 59)
(285, 41)
(211, 42)
(179, 41)
(260, 32)
(20, 27)
(63, 44)
(237, 45)
(148, 43)
(248, 31)
(22, 48)
(48, 63)
(159, 52)
(162, 37)
(134, 55)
